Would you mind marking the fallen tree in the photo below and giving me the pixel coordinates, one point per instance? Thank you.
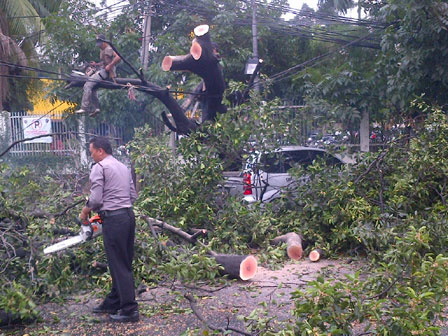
(236, 266)
(201, 60)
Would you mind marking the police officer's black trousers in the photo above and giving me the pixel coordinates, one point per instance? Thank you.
(118, 235)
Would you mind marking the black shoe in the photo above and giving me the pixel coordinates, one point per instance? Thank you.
(125, 317)
(102, 309)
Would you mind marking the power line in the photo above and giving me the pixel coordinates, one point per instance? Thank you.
(67, 77)
(322, 16)
(289, 72)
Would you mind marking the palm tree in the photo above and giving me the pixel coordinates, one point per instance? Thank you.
(20, 29)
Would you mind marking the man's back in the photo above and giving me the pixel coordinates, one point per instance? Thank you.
(112, 186)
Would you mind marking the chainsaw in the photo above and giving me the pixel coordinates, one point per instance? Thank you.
(90, 231)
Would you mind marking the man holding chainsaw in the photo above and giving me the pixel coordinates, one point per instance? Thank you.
(109, 59)
(112, 194)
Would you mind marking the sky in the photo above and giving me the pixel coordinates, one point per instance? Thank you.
(296, 4)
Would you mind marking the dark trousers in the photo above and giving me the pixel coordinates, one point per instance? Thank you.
(118, 235)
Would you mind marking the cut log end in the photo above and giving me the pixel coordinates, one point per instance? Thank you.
(294, 252)
(167, 63)
(196, 50)
(248, 268)
(236, 266)
(293, 242)
(316, 255)
(201, 30)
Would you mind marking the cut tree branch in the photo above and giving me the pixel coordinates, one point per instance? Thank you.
(195, 310)
(32, 138)
(204, 62)
(237, 266)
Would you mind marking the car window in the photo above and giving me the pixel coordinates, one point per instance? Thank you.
(281, 162)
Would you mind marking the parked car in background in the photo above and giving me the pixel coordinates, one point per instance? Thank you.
(266, 175)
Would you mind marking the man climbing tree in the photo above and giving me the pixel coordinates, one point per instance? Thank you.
(106, 70)
(202, 60)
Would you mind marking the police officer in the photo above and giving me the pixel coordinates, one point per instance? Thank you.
(112, 194)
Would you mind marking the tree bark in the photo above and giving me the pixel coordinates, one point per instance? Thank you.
(183, 124)
(203, 62)
(239, 267)
(293, 244)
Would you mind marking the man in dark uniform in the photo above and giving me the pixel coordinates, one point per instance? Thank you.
(112, 194)
(109, 59)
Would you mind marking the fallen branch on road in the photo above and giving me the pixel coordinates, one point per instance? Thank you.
(237, 266)
(195, 310)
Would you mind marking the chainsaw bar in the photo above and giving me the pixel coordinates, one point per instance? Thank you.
(64, 244)
(94, 229)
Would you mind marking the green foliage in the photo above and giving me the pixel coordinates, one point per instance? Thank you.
(412, 46)
(390, 205)
(194, 266)
(16, 300)
(401, 297)
(260, 322)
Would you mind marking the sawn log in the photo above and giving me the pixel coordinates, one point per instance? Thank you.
(293, 244)
(316, 254)
(237, 266)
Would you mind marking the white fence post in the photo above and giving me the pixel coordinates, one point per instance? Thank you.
(83, 141)
(4, 118)
(364, 132)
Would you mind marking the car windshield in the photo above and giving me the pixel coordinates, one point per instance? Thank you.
(281, 162)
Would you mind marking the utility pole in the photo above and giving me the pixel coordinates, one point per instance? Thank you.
(255, 41)
(146, 35)
(364, 129)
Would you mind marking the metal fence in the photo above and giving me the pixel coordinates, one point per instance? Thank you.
(18, 124)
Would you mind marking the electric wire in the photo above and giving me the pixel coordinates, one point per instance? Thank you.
(278, 25)
(69, 77)
(325, 36)
(291, 71)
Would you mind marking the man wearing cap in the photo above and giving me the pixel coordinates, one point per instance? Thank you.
(109, 59)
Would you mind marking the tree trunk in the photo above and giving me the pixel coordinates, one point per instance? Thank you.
(293, 244)
(202, 61)
(183, 124)
(238, 267)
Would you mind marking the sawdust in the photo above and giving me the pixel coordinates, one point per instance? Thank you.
(164, 310)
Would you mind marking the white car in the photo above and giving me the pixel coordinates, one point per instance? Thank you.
(266, 175)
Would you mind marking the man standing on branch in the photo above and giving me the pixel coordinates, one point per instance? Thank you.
(112, 194)
(109, 59)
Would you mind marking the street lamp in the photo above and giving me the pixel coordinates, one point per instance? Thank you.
(250, 66)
